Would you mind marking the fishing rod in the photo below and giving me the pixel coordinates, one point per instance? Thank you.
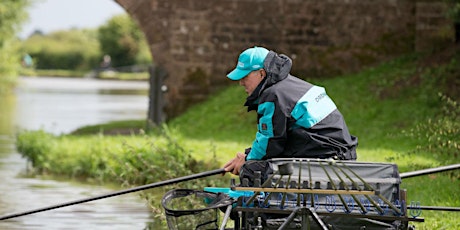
(429, 171)
(121, 192)
(206, 174)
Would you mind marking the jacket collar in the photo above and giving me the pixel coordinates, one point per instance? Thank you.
(277, 67)
(252, 101)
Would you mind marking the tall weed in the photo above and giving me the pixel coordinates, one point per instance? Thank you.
(127, 159)
(440, 135)
(35, 146)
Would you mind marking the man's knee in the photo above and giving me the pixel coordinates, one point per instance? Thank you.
(249, 169)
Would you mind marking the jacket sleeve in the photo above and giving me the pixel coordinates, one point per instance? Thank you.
(271, 132)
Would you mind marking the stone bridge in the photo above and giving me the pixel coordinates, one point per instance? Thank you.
(198, 41)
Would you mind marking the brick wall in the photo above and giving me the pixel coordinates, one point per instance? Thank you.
(198, 41)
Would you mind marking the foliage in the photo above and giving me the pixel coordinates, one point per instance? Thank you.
(440, 135)
(82, 49)
(12, 14)
(129, 159)
(121, 38)
(35, 146)
(76, 49)
(453, 10)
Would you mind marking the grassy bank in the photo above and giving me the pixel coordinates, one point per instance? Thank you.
(398, 110)
(112, 75)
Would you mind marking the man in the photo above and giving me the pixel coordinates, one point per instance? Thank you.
(295, 118)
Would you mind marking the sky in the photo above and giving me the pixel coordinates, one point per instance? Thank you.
(52, 15)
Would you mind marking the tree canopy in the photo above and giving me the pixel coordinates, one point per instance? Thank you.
(120, 38)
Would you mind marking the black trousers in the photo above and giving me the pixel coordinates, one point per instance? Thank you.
(249, 169)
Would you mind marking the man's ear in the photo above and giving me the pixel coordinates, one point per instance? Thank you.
(263, 73)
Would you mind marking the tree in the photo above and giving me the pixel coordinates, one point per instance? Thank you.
(120, 38)
(12, 14)
(74, 49)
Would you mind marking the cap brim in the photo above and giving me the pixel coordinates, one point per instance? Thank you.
(238, 74)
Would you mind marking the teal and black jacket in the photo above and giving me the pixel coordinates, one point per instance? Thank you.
(296, 118)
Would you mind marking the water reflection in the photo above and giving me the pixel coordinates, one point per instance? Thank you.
(23, 194)
(60, 106)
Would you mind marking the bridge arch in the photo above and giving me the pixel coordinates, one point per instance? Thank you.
(197, 41)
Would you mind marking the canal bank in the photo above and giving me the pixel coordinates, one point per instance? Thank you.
(60, 106)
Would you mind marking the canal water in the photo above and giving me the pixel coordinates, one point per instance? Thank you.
(58, 106)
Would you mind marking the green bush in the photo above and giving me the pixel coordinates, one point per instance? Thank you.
(129, 160)
(49, 59)
(35, 146)
(71, 50)
(122, 39)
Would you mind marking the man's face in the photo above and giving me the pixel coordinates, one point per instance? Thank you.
(252, 80)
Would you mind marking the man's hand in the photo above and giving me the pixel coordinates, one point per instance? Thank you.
(234, 165)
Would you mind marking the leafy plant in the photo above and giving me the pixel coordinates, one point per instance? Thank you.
(440, 135)
(35, 146)
(12, 14)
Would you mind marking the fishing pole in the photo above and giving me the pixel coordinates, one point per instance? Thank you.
(117, 193)
(429, 171)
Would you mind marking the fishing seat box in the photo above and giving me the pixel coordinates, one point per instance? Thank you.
(363, 195)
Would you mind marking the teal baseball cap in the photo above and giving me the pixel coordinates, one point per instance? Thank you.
(248, 61)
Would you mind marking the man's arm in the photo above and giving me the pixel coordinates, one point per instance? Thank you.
(271, 133)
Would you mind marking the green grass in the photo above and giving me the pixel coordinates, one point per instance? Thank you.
(110, 75)
(124, 76)
(53, 72)
(395, 110)
(378, 122)
(114, 127)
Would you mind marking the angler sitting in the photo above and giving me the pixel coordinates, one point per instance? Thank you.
(295, 118)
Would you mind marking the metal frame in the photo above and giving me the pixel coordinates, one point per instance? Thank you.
(253, 207)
